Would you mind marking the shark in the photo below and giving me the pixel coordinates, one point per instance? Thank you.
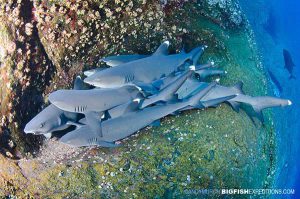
(289, 64)
(143, 72)
(52, 118)
(93, 103)
(116, 60)
(258, 103)
(118, 128)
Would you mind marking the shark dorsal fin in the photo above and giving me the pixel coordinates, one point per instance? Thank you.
(239, 87)
(124, 108)
(78, 83)
(163, 49)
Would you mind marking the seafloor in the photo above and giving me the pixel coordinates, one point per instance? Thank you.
(45, 44)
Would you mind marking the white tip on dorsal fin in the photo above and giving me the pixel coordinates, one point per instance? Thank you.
(137, 100)
(163, 49)
(290, 102)
(193, 67)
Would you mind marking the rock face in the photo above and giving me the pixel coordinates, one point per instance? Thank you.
(45, 44)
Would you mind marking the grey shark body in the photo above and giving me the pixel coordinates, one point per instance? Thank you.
(94, 100)
(52, 118)
(121, 127)
(142, 71)
(258, 103)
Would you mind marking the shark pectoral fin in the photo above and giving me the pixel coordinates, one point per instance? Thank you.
(82, 121)
(259, 114)
(239, 87)
(235, 106)
(147, 89)
(155, 123)
(94, 123)
(107, 144)
(215, 102)
(163, 49)
(78, 125)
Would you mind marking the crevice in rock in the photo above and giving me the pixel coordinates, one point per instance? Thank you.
(28, 98)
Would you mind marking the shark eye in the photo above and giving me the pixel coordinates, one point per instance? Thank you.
(42, 125)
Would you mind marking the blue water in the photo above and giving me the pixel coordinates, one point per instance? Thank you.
(286, 28)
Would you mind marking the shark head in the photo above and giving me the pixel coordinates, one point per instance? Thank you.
(82, 136)
(106, 79)
(45, 122)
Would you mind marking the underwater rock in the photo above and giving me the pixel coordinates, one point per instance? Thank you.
(67, 37)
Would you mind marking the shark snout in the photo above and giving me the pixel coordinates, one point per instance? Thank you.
(30, 129)
(27, 129)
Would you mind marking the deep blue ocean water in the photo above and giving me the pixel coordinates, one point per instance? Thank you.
(283, 32)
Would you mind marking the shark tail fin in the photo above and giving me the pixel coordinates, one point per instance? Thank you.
(239, 87)
(195, 54)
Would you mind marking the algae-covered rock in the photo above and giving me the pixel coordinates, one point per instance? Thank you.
(47, 43)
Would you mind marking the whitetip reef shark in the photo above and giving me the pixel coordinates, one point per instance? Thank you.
(143, 72)
(257, 103)
(52, 118)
